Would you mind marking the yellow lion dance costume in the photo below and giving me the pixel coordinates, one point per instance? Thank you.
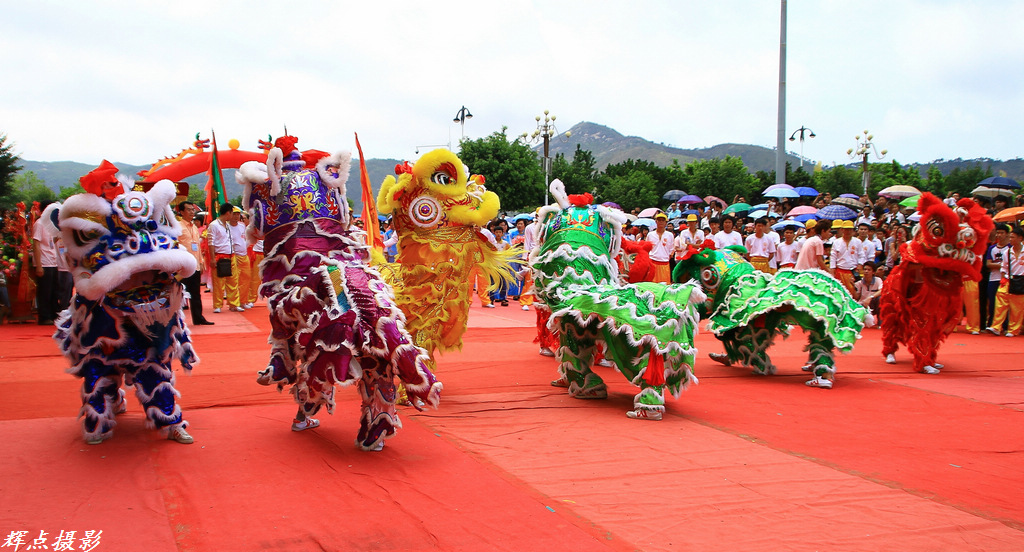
(437, 210)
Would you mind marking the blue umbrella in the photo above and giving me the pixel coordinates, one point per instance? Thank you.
(523, 216)
(836, 212)
(781, 193)
(758, 214)
(806, 191)
(691, 212)
(612, 204)
(805, 218)
(999, 182)
(648, 222)
(759, 207)
(779, 226)
(673, 195)
(851, 196)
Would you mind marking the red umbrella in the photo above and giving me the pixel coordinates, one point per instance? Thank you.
(712, 199)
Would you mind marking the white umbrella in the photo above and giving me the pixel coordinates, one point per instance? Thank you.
(900, 190)
(649, 212)
(984, 191)
(648, 222)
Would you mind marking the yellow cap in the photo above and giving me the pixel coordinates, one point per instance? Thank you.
(691, 218)
(661, 216)
(837, 224)
(811, 223)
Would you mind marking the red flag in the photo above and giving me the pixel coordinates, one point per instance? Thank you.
(370, 222)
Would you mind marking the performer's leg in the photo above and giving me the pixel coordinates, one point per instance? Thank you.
(1016, 314)
(649, 403)
(154, 387)
(378, 419)
(971, 307)
(749, 347)
(255, 279)
(820, 360)
(231, 283)
(1002, 309)
(219, 283)
(101, 397)
(576, 356)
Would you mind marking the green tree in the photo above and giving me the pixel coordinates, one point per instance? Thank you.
(28, 187)
(197, 195)
(936, 182)
(511, 168)
(725, 178)
(636, 189)
(8, 166)
(963, 181)
(68, 191)
(838, 180)
(580, 175)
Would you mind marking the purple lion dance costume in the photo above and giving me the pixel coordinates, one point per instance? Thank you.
(125, 323)
(334, 319)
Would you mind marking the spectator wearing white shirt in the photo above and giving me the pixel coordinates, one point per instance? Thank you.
(222, 247)
(727, 236)
(760, 247)
(663, 243)
(812, 250)
(846, 255)
(1009, 306)
(691, 235)
(868, 288)
(788, 251)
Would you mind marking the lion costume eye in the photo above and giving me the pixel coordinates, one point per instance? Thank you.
(935, 228)
(83, 237)
(709, 275)
(441, 178)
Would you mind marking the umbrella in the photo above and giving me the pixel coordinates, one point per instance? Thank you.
(676, 222)
(851, 196)
(612, 204)
(649, 212)
(689, 200)
(629, 217)
(773, 214)
(910, 202)
(999, 182)
(802, 210)
(983, 191)
(759, 206)
(782, 225)
(712, 199)
(736, 208)
(900, 190)
(758, 214)
(673, 195)
(1013, 214)
(781, 193)
(836, 212)
(523, 216)
(648, 222)
(780, 186)
(691, 212)
(914, 217)
(806, 191)
(805, 217)
(847, 202)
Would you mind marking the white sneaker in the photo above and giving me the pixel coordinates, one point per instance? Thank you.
(489, 306)
(992, 330)
(819, 382)
(643, 414)
(930, 370)
(247, 306)
(180, 435)
(526, 308)
(308, 423)
(1009, 334)
(890, 358)
(217, 310)
(975, 333)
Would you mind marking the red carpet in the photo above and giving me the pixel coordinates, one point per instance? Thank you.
(887, 460)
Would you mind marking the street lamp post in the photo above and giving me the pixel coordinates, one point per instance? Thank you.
(460, 118)
(801, 131)
(864, 147)
(545, 131)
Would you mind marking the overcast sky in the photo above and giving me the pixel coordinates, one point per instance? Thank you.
(134, 81)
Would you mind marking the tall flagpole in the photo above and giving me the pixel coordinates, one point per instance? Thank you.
(780, 142)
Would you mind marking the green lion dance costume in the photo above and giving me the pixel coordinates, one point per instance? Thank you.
(749, 308)
(646, 329)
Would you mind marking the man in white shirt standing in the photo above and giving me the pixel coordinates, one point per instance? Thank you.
(691, 235)
(846, 255)
(44, 259)
(663, 242)
(727, 236)
(240, 246)
(760, 247)
(788, 251)
(222, 247)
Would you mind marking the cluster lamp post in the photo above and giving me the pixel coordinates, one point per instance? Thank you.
(864, 147)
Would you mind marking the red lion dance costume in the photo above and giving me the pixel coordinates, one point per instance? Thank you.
(920, 303)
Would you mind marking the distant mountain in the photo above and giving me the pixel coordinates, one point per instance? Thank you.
(610, 147)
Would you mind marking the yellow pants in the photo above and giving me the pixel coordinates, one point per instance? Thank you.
(227, 284)
(481, 283)
(526, 290)
(662, 274)
(244, 276)
(972, 308)
(255, 280)
(845, 277)
(1008, 306)
(761, 263)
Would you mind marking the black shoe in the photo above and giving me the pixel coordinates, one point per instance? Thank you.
(504, 303)
(202, 323)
